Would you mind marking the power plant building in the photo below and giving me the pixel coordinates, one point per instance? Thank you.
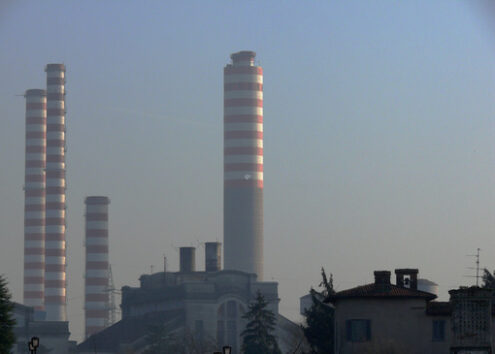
(243, 164)
(34, 199)
(204, 307)
(96, 305)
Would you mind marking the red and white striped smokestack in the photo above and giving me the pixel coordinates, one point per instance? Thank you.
(55, 245)
(34, 199)
(243, 164)
(96, 305)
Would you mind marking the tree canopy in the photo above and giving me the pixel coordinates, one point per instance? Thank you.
(258, 337)
(488, 279)
(7, 322)
(319, 328)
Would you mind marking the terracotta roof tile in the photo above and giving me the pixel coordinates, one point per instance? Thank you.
(379, 291)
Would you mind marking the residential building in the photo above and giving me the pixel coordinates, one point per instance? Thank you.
(397, 317)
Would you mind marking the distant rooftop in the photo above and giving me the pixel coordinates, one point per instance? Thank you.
(380, 291)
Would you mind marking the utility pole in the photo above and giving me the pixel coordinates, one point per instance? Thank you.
(477, 266)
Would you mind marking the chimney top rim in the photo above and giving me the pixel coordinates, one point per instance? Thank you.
(406, 271)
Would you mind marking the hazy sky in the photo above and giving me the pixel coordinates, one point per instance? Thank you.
(379, 133)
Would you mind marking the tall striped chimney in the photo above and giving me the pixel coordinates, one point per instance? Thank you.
(55, 245)
(34, 199)
(243, 164)
(96, 301)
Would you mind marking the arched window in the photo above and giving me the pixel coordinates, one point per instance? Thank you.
(229, 324)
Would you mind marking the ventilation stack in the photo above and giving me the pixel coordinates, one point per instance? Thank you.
(243, 164)
(187, 259)
(55, 244)
(96, 305)
(213, 256)
(34, 199)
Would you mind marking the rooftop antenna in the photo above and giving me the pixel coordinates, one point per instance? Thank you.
(164, 263)
(477, 268)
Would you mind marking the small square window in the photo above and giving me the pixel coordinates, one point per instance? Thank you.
(358, 330)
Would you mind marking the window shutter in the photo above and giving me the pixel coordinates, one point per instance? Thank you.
(368, 330)
(348, 330)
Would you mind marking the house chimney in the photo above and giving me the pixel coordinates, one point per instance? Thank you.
(407, 278)
(382, 277)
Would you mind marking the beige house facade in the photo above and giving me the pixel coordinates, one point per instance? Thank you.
(383, 317)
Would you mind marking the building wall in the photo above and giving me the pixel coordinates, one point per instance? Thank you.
(53, 335)
(211, 302)
(401, 324)
(211, 314)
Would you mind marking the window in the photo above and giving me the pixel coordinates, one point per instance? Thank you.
(231, 309)
(358, 330)
(232, 335)
(229, 324)
(220, 333)
(438, 333)
(199, 329)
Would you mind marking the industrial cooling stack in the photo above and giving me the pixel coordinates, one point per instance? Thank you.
(96, 305)
(243, 164)
(34, 199)
(55, 244)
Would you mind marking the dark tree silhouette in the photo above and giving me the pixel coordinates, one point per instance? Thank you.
(257, 338)
(7, 322)
(488, 279)
(319, 328)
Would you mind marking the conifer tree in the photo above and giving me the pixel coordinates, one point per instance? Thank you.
(488, 279)
(258, 337)
(7, 322)
(319, 328)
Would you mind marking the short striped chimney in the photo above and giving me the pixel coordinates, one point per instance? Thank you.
(96, 305)
(243, 164)
(55, 244)
(34, 199)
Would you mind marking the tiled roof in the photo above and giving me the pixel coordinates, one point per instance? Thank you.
(380, 291)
